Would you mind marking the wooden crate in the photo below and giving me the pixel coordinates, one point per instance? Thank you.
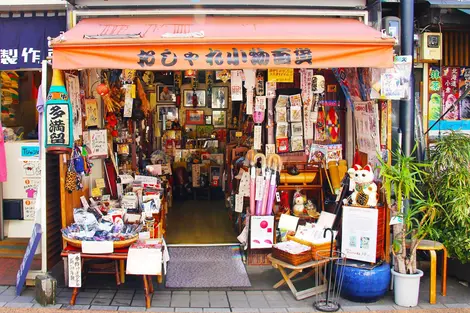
(258, 256)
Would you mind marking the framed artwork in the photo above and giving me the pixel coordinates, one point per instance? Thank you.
(219, 97)
(204, 131)
(208, 119)
(170, 111)
(195, 117)
(219, 119)
(166, 94)
(201, 98)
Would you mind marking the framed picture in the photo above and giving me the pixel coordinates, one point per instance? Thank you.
(166, 94)
(201, 98)
(219, 97)
(219, 119)
(195, 117)
(215, 176)
(204, 131)
(208, 119)
(170, 111)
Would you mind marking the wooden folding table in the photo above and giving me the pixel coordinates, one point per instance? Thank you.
(296, 270)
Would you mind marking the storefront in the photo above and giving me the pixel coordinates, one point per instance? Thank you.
(191, 106)
(23, 46)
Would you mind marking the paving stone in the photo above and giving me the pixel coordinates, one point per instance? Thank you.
(188, 309)
(157, 295)
(23, 299)
(83, 301)
(253, 293)
(125, 296)
(400, 308)
(239, 304)
(131, 308)
(139, 297)
(258, 303)
(103, 308)
(18, 305)
(76, 307)
(11, 291)
(180, 301)
(217, 293)
(381, 307)
(355, 308)
(161, 310)
(3, 288)
(245, 310)
(235, 293)
(199, 300)
(215, 310)
(181, 292)
(65, 293)
(125, 291)
(86, 294)
(101, 302)
(121, 302)
(457, 305)
(161, 301)
(138, 303)
(273, 310)
(278, 304)
(105, 294)
(2, 304)
(431, 306)
(301, 310)
(29, 293)
(55, 307)
(199, 292)
(62, 300)
(218, 301)
(7, 298)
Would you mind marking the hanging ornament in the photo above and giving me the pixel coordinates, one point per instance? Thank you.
(58, 113)
(223, 75)
(259, 84)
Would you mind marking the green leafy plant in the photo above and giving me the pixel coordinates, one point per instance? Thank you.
(403, 181)
(448, 180)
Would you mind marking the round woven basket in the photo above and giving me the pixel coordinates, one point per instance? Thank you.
(117, 244)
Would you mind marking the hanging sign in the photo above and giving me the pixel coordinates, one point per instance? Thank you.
(237, 86)
(450, 86)
(91, 111)
(59, 138)
(98, 143)
(73, 89)
(281, 75)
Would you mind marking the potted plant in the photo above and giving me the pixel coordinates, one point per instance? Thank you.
(449, 182)
(402, 182)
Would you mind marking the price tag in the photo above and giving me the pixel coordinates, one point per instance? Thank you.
(238, 203)
(100, 183)
(259, 188)
(278, 197)
(84, 202)
(75, 270)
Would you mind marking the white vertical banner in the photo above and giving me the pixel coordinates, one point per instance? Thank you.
(73, 89)
(237, 85)
(75, 270)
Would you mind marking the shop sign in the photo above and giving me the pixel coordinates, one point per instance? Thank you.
(233, 57)
(23, 40)
(435, 88)
(281, 75)
(450, 85)
(28, 258)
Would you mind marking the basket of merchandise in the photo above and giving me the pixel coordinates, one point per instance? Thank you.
(107, 228)
(292, 252)
(317, 250)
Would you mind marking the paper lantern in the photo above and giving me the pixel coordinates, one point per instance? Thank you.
(58, 115)
(102, 89)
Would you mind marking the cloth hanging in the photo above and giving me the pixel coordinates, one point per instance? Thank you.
(3, 159)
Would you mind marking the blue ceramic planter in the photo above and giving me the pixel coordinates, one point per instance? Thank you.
(365, 285)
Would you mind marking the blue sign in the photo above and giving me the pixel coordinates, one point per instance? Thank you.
(28, 258)
(23, 40)
(30, 151)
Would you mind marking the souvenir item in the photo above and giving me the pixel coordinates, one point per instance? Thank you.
(295, 114)
(282, 101)
(282, 145)
(275, 165)
(59, 137)
(260, 183)
(297, 143)
(259, 88)
(318, 84)
(282, 130)
(365, 190)
(320, 125)
(281, 115)
(295, 100)
(332, 123)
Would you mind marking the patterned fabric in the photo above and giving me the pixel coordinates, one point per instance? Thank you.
(3, 159)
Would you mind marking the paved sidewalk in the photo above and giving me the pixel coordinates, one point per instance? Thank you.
(132, 300)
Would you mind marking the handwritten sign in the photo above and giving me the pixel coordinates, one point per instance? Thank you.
(75, 270)
(98, 143)
(28, 258)
(30, 151)
(29, 209)
(91, 109)
(281, 75)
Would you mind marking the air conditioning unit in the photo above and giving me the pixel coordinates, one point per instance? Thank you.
(430, 47)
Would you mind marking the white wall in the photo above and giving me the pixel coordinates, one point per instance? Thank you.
(8, 5)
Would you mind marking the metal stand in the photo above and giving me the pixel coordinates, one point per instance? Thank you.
(333, 275)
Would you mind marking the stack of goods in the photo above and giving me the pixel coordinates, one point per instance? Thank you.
(292, 252)
(10, 95)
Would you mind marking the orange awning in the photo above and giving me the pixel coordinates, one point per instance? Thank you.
(221, 42)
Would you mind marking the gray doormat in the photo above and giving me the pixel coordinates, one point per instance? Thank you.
(206, 267)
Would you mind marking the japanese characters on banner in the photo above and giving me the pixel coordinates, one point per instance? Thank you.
(450, 92)
(366, 115)
(306, 77)
(237, 86)
(359, 233)
(23, 43)
(435, 88)
(91, 109)
(464, 82)
(73, 89)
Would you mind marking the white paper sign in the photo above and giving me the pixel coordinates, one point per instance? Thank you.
(128, 102)
(326, 220)
(29, 209)
(262, 232)
(73, 89)
(270, 149)
(359, 233)
(244, 187)
(249, 102)
(144, 261)
(271, 89)
(259, 188)
(260, 104)
(31, 187)
(237, 85)
(238, 203)
(32, 168)
(84, 202)
(288, 222)
(97, 247)
(75, 270)
(98, 143)
(257, 137)
(146, 180)
(196, 174)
